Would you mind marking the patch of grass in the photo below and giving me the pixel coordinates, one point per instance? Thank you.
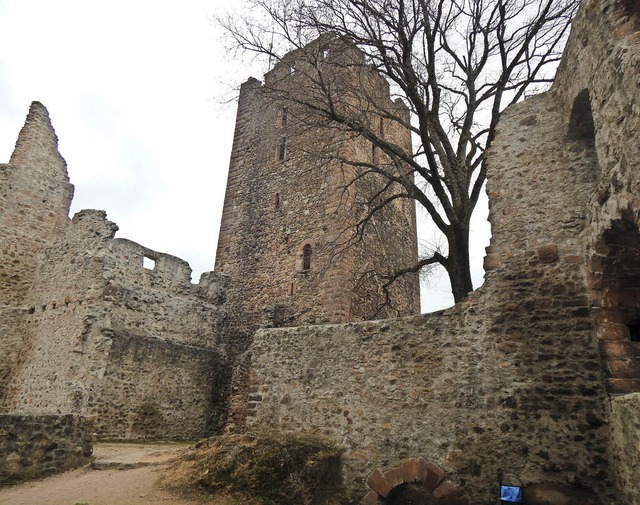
(273, 469)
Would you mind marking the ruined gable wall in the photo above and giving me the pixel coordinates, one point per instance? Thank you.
(34, 202)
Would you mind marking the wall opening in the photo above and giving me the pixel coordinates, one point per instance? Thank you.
(285, 116)
(281, 154)
(307, 251)
(410, 494)
(148, 263)
(581, 124)
(276, 201)
(631, 6)
(615, 281)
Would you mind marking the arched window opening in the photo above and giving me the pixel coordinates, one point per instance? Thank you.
(306, 257)
(581, 124)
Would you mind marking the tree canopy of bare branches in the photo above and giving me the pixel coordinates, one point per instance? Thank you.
(457, 64)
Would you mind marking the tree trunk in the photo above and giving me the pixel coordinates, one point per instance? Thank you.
(458, 266)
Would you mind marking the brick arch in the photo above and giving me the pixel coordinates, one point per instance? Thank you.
(614, 281)
(386, 486)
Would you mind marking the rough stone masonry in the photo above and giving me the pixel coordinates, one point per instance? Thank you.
(535, 375)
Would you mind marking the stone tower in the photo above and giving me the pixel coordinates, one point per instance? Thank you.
(288, 237)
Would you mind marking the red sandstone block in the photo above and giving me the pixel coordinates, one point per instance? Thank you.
(394, 477)
(619, 349)
(433, 476)
(622, 386)
(370, 499)
(548, 253)
(612, 331)
(378, 483)
(413, 469)
(449, 494)
(606, 315)
(624, 368)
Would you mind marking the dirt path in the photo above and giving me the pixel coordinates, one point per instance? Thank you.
(122, 474)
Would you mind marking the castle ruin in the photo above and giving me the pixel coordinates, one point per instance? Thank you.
(535, 374)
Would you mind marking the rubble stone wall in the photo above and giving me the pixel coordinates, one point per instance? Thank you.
(87, 329)
(526, 376)
(35, 446)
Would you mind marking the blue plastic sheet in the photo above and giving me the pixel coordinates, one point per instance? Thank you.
(511, 494)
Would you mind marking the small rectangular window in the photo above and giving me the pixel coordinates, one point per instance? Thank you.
(148, 263)
(285, 113)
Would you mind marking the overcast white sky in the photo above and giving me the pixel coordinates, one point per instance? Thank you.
(141, 95)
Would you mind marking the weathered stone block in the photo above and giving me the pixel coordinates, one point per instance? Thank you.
(434, 475)
(378, 483)
(413, 469)
(548, 253)
(394, 477)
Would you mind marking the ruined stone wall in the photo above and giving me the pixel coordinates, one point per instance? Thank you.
(509, 381)
(599, 92)
(35, 446)
(479, 395)
(138, 347)
(35, 195)
(95, 332)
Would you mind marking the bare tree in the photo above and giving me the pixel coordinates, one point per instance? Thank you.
(455, 63)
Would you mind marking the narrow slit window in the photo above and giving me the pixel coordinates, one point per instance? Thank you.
(306, 257)
(276, 201)
(282, 150)
(285, 118)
